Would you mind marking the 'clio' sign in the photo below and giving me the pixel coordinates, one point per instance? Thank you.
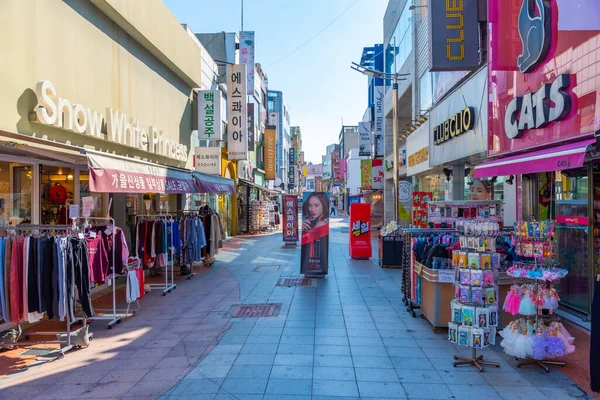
(533, 111)
(454, 126)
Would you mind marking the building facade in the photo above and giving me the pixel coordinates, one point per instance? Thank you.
(277, 106)
(89, 121)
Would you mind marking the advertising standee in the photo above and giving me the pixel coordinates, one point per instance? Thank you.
(315, 234)
(290, 219)
(359, 245)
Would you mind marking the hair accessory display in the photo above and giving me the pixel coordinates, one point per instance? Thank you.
(536, 336)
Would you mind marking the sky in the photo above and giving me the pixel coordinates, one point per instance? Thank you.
(317, 83)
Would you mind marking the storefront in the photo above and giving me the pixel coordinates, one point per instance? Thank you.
(544, 114)
(83, 123)
(458, 141)
(424, 183)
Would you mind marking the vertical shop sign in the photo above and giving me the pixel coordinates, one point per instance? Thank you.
(247, 57)
(237, 130)
(290, 219)
(209, 115)
(379, 121)
(366, 177)
(270, 155)
(364, 139)
(315, 234)
(377, 175)
(360, 231)
(292, 176)
(251, 140)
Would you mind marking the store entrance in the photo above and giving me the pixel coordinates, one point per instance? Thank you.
(563, 196)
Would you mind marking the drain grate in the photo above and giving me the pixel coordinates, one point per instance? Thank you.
(344, 230)
(289, 246)
(267, 268)
(38, 352)
(294, 282)
(256, 310)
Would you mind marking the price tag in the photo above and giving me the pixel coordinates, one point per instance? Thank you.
(92, 234)
(147, 205)
(88, 205)
(160, 204)
(446, 276)
(81, 235)
(73, 211)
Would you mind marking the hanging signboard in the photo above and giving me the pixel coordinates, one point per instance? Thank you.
(366, 177)
(359, 245)
(290, 219)
(237, 130)
(377, 174)
(453, 35)
(209, 115)
(364, 139)
(208, 160)
(251, 140)
(247, 57)
(315, 234)
(379, 121)
(270, 152)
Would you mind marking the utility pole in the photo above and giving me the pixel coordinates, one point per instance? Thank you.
(242, 15)
(395, 135)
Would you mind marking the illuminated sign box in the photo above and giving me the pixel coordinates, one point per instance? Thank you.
(453, 35)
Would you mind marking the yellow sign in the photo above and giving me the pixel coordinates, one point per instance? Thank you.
(270, 153)
(452, 127)
(418, 157)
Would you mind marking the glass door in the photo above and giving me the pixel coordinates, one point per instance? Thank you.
(571, 214)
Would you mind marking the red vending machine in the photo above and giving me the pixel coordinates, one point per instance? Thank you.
(360, 231)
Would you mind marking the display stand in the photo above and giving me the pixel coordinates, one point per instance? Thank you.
(170, 262)
(392, 246)
(475, 305)
(534, 299)
(411, 284)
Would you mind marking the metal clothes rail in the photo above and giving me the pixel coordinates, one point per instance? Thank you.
(66, 345)
(168, 286)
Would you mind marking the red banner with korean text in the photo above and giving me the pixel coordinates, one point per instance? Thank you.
(359, 244)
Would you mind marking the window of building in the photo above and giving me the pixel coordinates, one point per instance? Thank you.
(425, 91)
(56, 194)
(403, 38)
(15, 194)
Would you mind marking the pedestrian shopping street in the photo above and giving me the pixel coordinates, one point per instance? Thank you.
(347, 336)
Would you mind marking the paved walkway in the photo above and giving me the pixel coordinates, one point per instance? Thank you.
(346, 337)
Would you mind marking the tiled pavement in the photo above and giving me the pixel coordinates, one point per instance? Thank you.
(346, 337)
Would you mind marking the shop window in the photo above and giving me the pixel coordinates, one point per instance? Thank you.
(84, 191)
(56, 194)
(15, 194)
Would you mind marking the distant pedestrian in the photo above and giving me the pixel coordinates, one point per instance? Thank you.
(332, 210)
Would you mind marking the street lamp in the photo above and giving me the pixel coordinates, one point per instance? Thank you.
(395, 77)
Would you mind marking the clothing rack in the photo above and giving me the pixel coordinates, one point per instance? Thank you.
(170, 263)
(114, 317)
(408, 262)
(66, 345)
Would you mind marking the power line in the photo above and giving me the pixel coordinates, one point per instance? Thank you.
(315, 36)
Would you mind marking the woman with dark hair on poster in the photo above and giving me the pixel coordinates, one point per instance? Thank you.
(481, 190)
(315, 233)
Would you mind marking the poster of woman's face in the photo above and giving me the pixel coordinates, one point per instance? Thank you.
(481, 190)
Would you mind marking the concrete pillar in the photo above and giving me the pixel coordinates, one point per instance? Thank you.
(458, 182)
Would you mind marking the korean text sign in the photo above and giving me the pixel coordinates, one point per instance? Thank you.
(360, 231)
(290, 219)
(237, 128)
(209, 115)
(270, 152)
